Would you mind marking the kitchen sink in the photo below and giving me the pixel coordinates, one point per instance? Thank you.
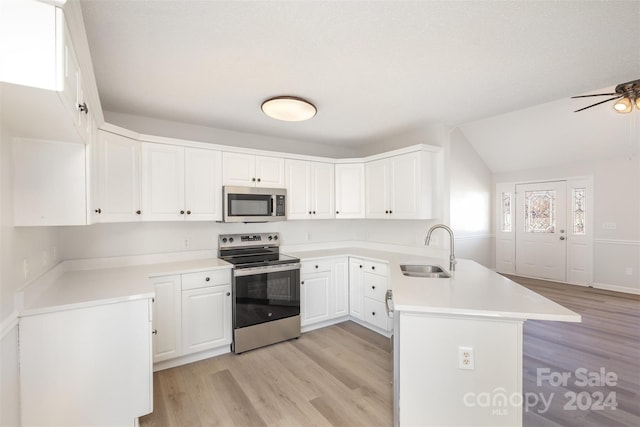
(424, 270)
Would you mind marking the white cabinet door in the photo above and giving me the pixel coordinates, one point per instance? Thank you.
(298, 188)
(252, 171)
(356, 290)
(167, 318)
(322, 195)
(340, 272)
(206, 319)
(118, 179)
(203, 185)
(269, 172)
(350, 190)
(162, 182)
(49, 183)
(32, 44)
(377, 189)
(87, 366)
(310, 190)
(405, 188)
(315, 297)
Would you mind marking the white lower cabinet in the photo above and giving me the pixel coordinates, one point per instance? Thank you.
(192, 313)
(368, 284)
(206, 321)
(323, 290)
(87, 366)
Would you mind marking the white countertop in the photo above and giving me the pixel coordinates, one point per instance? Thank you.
(71, 289)
(472, 290)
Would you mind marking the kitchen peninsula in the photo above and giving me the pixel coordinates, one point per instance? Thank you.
(457, 340)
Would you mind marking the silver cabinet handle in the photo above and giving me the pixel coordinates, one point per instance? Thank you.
(388, 302)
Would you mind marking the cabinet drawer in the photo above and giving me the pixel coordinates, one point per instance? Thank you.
(206, 278)
(375, 286)
(375, 313)
(376, 267)
(315, 266)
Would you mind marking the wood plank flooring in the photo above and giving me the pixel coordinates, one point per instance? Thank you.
(342, 375)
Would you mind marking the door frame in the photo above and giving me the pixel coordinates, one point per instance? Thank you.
(579, 265)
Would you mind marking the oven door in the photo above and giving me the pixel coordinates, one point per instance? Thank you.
(263, 294)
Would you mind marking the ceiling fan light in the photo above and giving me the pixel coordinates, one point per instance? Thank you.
(289, 108)
(623, 105)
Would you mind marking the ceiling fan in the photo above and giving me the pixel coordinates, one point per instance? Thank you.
(627, 94)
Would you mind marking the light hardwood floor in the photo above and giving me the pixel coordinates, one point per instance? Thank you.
(342, 375)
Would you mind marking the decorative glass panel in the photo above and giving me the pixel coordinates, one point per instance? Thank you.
(579, 201)
(506, 212)
(540, 211)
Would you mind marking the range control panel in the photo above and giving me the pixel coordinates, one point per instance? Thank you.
(226, 241)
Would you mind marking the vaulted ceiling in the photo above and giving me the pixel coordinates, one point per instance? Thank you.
(374, 69)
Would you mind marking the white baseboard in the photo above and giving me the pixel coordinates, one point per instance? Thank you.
(190, 358)
(616, 288)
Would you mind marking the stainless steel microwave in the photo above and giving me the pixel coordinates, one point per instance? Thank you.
(254, 204)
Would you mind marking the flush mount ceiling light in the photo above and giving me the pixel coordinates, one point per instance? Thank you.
(289, 108)
(626, 95)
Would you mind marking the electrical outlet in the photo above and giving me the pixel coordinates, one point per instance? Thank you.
(186, 243)
(465, 358)
(25, 267)
(609, 225)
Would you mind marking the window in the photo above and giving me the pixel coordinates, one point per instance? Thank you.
(506, 213)
(579, 206)
(540, 211)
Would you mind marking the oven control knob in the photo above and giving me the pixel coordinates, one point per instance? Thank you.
(270, 238)
(275, 237)
(224, 240)
(230, 239)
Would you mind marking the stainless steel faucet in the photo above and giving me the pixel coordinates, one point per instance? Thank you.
(452, 255)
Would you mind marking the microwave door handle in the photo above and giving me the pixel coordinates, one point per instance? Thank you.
(273, 202)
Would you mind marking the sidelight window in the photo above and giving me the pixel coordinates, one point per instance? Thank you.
(579, 206)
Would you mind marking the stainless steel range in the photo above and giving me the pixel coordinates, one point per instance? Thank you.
(266, 290)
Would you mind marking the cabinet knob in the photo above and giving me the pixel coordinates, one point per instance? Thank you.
(259, 179)
(309, 212)
(181, 212)
(228, 293)
(188, 212)
(314, 212)
(302, 283)
(373, 267)
(386, 212)
(337, 212)
(99, 211)
(253, 180)
(316, 266)
(207, 279)
(83, 108)
(373, 287)
(155, 332)
(360, 265)
(138, 212)
(390, 212)
(373, 313)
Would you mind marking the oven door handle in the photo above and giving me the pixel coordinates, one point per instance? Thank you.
(273, 203)
(266, 269)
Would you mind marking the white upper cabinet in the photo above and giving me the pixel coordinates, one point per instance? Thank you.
(180, 183)
(349, 190)
(49, 183)
(252, 171)
(37, 52)
(310, 189)
(118, 179)
(401, 187)
(31, 44)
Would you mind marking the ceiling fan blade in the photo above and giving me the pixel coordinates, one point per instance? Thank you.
(601, 102)
(595, 94)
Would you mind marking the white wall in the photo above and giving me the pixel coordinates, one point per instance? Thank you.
(470, 189)
(616, 199)
(169, 129)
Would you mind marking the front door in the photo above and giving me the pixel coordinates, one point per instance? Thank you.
(541, 245)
